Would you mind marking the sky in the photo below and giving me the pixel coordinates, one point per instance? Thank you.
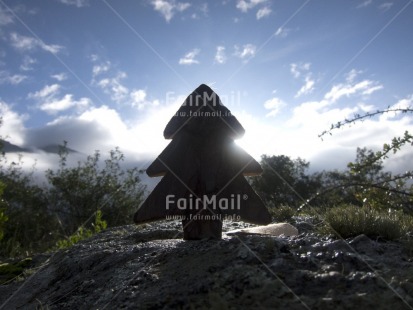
(102, 74)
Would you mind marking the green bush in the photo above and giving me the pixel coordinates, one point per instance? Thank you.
(83, 233)
(3, 220)
(349, 221)
(282, 213)
(34, 217)
(75, 193)
(9, 271)
(31, 225)
(3, 217)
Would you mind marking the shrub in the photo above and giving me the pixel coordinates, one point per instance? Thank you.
(282, 213)
(30, 224)
(3, 217)
(75, 193)
(349, 221)
(11, 270)
(83, 233)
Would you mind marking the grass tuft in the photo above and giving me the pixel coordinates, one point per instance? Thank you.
(350, 221)
(282, 213)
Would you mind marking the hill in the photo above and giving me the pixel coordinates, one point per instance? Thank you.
(8, 147)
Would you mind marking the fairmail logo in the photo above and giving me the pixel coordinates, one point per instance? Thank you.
(205, 202)
(233, 98)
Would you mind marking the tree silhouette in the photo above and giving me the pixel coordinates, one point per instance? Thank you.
(203, 171)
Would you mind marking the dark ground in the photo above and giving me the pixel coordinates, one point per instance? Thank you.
(151, 267)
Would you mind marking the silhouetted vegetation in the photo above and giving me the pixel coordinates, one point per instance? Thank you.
(362, 199)
(76, 202)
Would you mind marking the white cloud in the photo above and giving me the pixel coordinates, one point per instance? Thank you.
(94, 57)
(297, 136)
(99, 69)
(168, 8)
(365, 4)
(299, 131)
(365, 87)
(49, 101)
(102, 128)
(282, 32)
(77, 3)
(204, 9)
(189, 58)
(139, 101)
(138, 96)
(94, 129)
(111, 83)
(12, 126)
(307, 88)
(60, 77)
(48, 91)
(405, 103)
(365, 107)
(57, 105)
(24, 43)
(351, 76)
(371, 89)
(297, 69)
(294, 71)
(386, 6)
(263, 12)
(274, 105)
(15, 79)
(220, 56)
(114, 87)
(245, 5)
(5, 17)
(27, 63)
(246, 52)
(182, 6)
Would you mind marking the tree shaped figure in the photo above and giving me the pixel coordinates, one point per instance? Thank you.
(203, 171)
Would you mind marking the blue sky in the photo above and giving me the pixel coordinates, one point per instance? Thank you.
(101, 74)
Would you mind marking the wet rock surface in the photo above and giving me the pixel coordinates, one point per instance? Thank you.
(151, 267)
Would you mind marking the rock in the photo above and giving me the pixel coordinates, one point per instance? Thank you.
(151, 267)
(277, 229)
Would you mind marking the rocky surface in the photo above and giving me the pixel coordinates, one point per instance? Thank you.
(151, 267)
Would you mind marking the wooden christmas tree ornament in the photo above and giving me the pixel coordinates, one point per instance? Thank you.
(203, 171)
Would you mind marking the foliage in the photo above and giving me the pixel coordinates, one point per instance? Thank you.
(83, 233)
(3, 216)
(11, 270)
(77, 193)
(26, 209)
(365, 179)
(34, 217)
(349, 221)
(282, 213)
(358, 118)
(364, 182)
(284, 181)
